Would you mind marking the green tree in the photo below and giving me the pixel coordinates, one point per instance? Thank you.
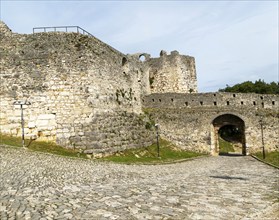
(259, 86)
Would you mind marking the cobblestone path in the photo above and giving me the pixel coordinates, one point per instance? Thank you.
(41, 186)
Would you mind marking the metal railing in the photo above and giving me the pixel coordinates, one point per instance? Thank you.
(75, 29)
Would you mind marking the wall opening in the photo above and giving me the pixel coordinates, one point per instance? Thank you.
(229, 135)
(124, 61)
(142, 57)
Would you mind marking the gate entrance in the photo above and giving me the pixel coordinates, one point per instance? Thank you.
(229, 135)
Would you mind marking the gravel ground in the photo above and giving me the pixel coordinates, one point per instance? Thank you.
(42, 186)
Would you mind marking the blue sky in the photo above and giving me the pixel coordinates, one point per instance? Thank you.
(232, 41)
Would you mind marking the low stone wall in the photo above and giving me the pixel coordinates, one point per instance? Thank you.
(112, 131)
(188, 123)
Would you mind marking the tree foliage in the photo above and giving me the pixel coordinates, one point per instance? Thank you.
(259, 86)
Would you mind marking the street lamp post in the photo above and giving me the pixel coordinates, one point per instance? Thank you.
(262, 134)
(157, 138)
(21, 103)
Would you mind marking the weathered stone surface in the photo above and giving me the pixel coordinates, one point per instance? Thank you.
(85, 94)
(76, 85)
(188, 119)
(172, 73)
(43, 186)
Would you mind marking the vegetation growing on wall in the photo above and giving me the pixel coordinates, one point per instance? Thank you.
(122, 94)
(259, 86)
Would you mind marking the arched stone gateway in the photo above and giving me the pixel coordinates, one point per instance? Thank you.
(228, 128)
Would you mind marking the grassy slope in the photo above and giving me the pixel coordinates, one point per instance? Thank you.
(167, 153)
(225, 146)
(42, 146)
(270, 157)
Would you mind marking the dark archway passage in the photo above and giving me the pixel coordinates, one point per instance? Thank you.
(229, 135)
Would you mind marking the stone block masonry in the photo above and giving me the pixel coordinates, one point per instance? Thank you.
(188, 119)
(172, 73)
(84, 94)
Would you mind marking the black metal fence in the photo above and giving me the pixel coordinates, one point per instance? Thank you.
(75, 29)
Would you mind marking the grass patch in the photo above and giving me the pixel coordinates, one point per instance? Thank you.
(168, 153)
(41, 146)
(225, 146)
(9, 140)
(270, 157)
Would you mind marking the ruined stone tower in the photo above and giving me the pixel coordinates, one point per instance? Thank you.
(172, 73)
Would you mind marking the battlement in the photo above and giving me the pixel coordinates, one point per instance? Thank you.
(215, 100)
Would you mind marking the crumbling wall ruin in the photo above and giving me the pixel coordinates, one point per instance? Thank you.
(172, 73)
(83, 93)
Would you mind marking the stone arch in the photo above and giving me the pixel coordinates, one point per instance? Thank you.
(144, 56)
(230, 127)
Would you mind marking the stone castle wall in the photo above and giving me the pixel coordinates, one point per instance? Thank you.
(187, 119)
(83, 93)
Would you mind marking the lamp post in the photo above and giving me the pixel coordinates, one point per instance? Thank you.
(262, 134)
(157, 138)
(21, 103)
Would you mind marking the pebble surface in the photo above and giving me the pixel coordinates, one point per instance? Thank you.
(43, 186)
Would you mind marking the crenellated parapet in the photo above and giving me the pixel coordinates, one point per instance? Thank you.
(212, 100)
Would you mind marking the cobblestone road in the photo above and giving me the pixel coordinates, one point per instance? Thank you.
(40, 186)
